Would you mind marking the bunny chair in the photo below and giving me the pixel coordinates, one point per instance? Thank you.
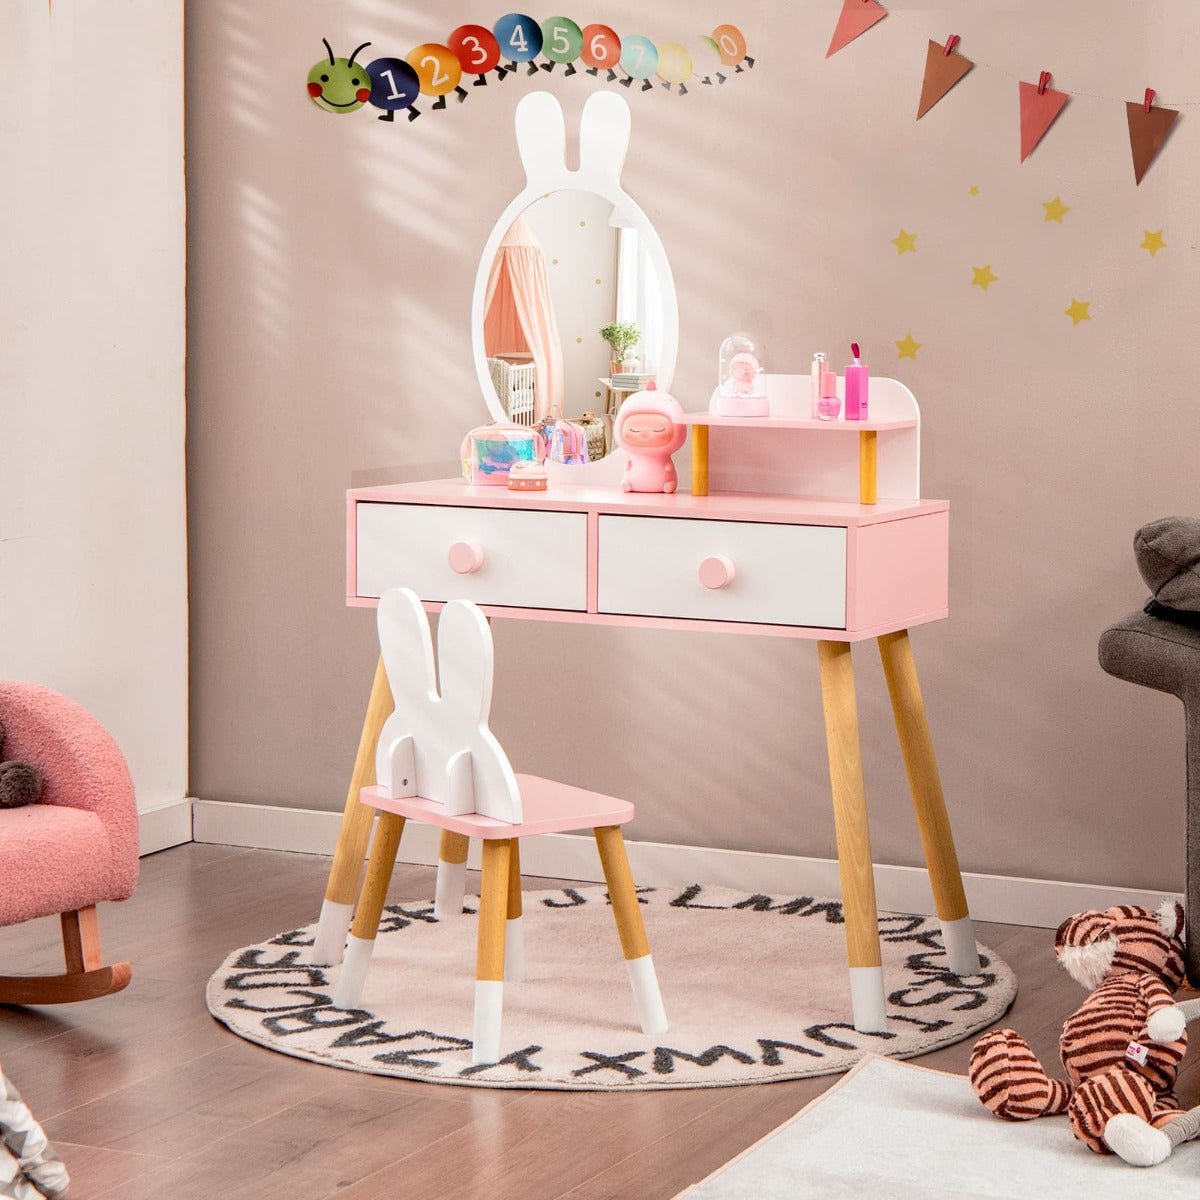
(74, 848)
(437, 762)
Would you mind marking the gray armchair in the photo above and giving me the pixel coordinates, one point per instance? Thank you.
(1159, 648)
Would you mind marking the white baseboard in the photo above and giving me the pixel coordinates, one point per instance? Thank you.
(1007, 899)
(165, 826)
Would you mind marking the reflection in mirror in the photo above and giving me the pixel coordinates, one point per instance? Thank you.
(568, 266)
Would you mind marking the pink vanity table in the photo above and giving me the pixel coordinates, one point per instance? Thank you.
(793, 528)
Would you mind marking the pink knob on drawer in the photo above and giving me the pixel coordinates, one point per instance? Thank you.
(465, 558)
(717, 571)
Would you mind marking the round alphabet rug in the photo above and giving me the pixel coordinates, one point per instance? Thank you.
(755, 989)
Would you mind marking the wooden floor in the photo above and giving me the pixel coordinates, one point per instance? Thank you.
(148, 1098)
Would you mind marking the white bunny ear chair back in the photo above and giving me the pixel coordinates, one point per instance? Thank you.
(437, 743)
(604, 131)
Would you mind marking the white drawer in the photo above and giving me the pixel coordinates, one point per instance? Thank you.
(777, 574)
(526, 559)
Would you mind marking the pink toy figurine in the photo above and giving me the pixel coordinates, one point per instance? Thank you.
(649, 430)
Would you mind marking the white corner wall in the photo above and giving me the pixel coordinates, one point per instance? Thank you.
(93, 568)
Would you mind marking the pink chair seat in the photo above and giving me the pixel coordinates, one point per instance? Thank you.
(54, 859)
(549, 807)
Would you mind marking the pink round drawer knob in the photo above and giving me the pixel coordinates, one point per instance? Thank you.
(717, 571)
(465, 558)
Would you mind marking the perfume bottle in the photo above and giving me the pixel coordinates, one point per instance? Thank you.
(828, 406)
(818, 367)
(856, 387)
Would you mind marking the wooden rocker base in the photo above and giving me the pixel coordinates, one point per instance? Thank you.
(86, 976)
(65, 989)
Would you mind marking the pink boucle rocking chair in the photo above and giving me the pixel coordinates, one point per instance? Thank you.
(76, 847)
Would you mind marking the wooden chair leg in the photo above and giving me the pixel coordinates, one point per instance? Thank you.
(514, 926)
(355, 831)
(630, 928)
(81, 939)
(489, 958)
(451, 885)
(853, 836)
(361, 942)
(941, 859)
(86, 976)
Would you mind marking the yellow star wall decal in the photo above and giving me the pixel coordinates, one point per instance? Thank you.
(1078, 311)
(1153, 241)
(973, 190)
(1055, 209)
(908, 348)
(905, 241)
(983, 277)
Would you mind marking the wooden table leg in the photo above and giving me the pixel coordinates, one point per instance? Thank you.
(630, 929)
(489, 955)
(853, 836)
(361, 942)
(912, 726)
(354, 833)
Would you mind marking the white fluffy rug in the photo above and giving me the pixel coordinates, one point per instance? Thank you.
(898, 1130)
(755, 989)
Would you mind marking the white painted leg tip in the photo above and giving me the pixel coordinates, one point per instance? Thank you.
(349, 990)
(332, 926)
(514, 950)
(962, 954)
(450, 890)
(867, 999)
(647, 995)
(489, 1012)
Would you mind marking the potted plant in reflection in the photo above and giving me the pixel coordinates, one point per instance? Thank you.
(622, 336)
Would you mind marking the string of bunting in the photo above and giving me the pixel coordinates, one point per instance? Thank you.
(1040, 104)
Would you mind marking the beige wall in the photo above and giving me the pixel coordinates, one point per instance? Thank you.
(93, 557)
(331, 267)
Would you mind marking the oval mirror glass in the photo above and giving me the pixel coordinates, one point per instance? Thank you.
(574, 315)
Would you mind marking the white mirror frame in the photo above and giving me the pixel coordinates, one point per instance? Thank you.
(603, 140)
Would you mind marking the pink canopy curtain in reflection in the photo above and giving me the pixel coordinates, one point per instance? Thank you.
(519, 316)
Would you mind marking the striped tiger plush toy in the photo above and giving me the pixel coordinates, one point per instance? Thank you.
(1121, 1048)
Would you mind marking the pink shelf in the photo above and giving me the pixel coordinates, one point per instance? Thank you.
(844, 426)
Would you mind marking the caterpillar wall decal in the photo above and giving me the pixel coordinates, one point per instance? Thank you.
(344, 85)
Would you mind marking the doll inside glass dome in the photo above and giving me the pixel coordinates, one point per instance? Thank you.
(742, 385)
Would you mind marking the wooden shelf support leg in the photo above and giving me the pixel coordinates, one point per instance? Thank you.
(354, 832)
(699, 460)
(916, 745)
(489, 955)
(867, 466)
(853, 836)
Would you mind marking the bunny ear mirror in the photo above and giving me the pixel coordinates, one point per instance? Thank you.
(571, 255)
